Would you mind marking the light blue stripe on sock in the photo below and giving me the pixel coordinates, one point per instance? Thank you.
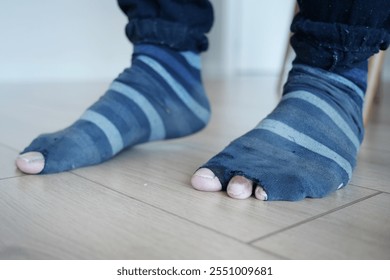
(328, 110)
(192, 59)
(156, 123)
(185, 97)
(109, 129)
(332, 76)
(305, 141)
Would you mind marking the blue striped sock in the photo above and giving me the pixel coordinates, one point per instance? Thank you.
(307, 146)
(160, 96)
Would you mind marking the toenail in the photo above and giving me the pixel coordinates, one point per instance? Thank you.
(31, 157)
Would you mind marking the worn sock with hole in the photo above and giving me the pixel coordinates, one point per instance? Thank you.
(307, 147)
(160, 96)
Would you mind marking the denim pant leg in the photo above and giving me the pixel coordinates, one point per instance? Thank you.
(340, 33)
(178, 24)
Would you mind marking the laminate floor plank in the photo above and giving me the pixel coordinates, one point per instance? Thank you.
(141, 205)
(7, 166)
(159, 174)
(360, 231)
(66, 217)
(373, 170)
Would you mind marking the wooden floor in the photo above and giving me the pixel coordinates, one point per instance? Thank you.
(140, 205)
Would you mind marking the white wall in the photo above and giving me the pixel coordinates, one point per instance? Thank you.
(44, 40)
(57, 40)
(248, 37)
(264, 35)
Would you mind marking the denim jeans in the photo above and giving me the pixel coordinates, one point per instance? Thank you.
(178, 24)
(327, 33)
(340, 33)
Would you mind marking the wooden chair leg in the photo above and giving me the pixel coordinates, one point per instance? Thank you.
(375, 66)
(288, 58)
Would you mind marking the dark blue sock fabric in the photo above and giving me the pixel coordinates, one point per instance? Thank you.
(307, 146)
(160, 96)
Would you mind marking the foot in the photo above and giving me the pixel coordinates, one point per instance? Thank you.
(306, 147)
(160, 96)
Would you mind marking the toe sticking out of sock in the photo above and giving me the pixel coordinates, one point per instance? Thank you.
(307, 147)
(161, 96)
(205, 180)
(31, 162)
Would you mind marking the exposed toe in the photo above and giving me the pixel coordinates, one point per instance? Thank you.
(31, 162)
(240, 187)
(205, 180)
(260, 193)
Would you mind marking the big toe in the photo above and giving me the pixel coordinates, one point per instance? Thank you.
(30, 162)
(205, 180)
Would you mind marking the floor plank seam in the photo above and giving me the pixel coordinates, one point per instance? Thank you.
(280, 257)
(12, 177)
(315, 217)
(177, 216)
(369, 188)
